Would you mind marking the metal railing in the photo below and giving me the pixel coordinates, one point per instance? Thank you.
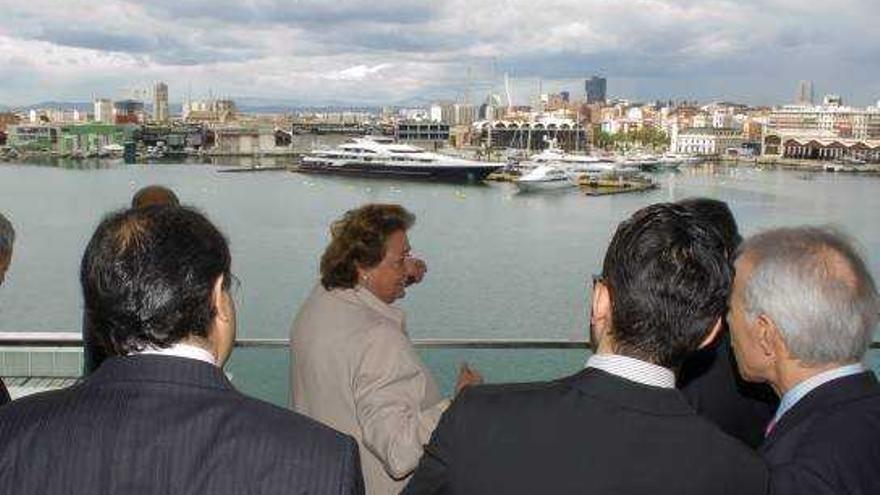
(74, 339)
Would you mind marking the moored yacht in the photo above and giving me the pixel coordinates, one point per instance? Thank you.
(544, 177)
(378, 156)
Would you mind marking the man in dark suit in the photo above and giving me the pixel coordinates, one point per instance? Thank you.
(620, 426)
(159, 416)
(802, 315)
(709, 378)
(7, 239)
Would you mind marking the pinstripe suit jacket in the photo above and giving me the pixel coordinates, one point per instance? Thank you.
(159, 424)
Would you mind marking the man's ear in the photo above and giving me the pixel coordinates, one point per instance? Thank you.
(222, 336)
(769, 339)
(600, 311)
(222, 301)
(713, 334)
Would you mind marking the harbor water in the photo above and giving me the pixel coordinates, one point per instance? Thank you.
(501, 264)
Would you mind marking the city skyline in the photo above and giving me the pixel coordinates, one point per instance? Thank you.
(389, 52)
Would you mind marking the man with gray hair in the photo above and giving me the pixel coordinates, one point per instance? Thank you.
(7, 238)
(802, 315)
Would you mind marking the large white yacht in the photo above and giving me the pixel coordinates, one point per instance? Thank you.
(379, 156)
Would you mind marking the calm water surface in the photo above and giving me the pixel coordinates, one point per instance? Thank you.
(501, 264)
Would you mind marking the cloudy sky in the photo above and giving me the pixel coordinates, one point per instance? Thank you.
(393, 51)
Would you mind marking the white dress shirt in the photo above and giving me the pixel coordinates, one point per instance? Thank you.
(634, 370)
(180, 349)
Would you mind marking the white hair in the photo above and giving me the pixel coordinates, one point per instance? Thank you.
(7, 235)
(817, 290)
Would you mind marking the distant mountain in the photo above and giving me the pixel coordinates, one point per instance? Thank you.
(244, 104)
(61, 105)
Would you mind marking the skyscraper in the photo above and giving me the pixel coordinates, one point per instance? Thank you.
(596, 87)
(160, 102)
(103, 110)
(804, 94)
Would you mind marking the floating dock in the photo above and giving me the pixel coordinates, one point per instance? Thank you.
(619, 185)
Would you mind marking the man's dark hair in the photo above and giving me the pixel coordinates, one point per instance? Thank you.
(147, 277)
(719, 215)
(668, 273)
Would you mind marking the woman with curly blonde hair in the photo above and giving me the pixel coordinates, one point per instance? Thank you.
(353, 365)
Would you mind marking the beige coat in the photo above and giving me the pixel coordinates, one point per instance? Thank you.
(355, 370)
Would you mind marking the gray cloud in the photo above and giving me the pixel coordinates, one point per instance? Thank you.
(391, 50)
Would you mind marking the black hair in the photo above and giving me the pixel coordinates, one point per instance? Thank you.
(719, 215)
(668, 272)
(148, 276)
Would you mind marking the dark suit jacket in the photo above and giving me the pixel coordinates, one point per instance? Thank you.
(589, 433)
(167, 425)
(711, 383)
(829, 442)
(4, 394)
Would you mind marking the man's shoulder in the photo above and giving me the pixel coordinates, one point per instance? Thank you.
(239, 416)
(513, 399)
(848, 424)
(848, 415)
(261, 421)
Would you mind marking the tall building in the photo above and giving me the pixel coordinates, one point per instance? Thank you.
(103, 110)
(804, 94)
(128, 112)
(160, 102)
(596, 88)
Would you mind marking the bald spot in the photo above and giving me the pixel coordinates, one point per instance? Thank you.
(154, 196)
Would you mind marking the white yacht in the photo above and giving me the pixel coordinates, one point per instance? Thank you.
(379, 156)
(544, 177)
(574, 165)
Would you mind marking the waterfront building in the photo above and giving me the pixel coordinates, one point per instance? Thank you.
(175, 139)
(236, 140)
(103, 110)
(210, 111)
(804, 95)
(706, 140)
(421, 131)
(831, 120)
(453, 113)
(89, 139)
(596, 89)
(160, 102)
(815, 146)
(530, 135)
(83, 139)
(32, 137)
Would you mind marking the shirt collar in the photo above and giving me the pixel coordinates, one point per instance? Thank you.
(181, 350)
(799, 391)
(633, 369)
